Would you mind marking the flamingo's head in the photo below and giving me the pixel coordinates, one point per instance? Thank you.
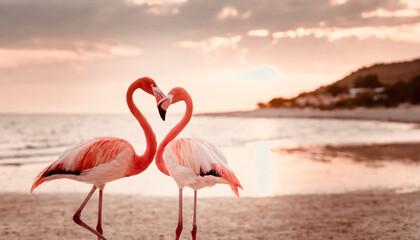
(149, 85)
(174, 96)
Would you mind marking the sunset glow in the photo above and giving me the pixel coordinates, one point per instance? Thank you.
(80, 56)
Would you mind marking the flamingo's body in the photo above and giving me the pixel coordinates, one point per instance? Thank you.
(96, 161)
(196, 163)
(191, 162)
(102, 160)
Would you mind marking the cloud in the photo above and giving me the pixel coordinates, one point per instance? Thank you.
(231, 12)
(239, 32)
(125, 51)
(13, 58)
(337, 2)
(217, 50)
(411, 3)
(227, 12)
(159, 7)
(258, 33)
(145, 21)
(211, 44)
(155, 2)
(382, 13)
(409, 33)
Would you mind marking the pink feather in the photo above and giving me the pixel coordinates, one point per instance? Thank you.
(85, 156)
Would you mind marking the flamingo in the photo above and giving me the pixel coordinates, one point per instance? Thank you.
(102, 160)
(191, 162)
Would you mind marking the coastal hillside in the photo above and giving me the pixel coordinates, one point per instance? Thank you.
(387, 73)
(380, 85)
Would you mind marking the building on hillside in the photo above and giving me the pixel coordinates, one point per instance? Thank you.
(378, 93)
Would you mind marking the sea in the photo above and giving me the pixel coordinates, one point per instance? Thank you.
(30, 142)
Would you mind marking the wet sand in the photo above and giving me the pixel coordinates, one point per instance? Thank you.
(399, 114)
(357, 215)
(408, 153)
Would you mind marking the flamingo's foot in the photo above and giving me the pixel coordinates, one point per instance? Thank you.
(78, 221)
(100, 230)
(178, 231)
(194, 232)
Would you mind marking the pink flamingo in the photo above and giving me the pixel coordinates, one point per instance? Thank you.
(102, 160)
(191, 162)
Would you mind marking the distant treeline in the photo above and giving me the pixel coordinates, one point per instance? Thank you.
(367, 91)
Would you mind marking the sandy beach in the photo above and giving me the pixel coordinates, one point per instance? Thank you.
(400, 114)
(357, 215)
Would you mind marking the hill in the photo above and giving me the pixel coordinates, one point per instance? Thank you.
(384, 84)
(388, 73)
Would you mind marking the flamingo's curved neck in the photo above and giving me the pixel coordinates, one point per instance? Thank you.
(184, 96)
(140, 163)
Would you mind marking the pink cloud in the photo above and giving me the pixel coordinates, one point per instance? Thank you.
(13, 58)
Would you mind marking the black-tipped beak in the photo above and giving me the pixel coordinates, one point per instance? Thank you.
(162, 112)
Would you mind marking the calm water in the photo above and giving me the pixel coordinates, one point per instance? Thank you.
(29, 142)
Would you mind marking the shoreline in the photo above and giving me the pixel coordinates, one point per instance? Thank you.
(404, 152)
(407, 114)
(355, 215)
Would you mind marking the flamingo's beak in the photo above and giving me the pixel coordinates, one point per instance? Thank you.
(159, 95)
(162, 106)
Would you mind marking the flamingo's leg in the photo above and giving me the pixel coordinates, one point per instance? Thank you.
(76, 216)
(99, 225)
(194, 230)
(179, 228)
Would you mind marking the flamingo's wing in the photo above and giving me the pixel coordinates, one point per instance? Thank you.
(84, 157)
(202, 158)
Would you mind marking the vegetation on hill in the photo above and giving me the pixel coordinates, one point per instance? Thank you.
(388, 73)
(356, 90)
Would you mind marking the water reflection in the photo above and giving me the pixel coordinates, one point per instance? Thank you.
(264, 175)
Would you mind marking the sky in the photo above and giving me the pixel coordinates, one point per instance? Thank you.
(76, 56)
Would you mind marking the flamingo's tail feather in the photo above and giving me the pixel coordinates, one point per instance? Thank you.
(40, 178)
(230, 178)
(37, 182)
